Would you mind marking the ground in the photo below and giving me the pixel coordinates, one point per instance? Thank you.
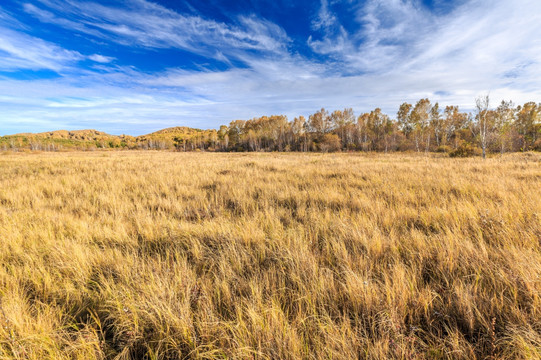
(164, 255)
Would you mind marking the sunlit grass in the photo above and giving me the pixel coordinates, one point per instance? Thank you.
(205, 255)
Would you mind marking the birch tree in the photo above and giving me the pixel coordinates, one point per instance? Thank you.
(485, 127)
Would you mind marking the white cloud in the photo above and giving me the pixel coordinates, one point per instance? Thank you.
(325, 18)
(21, 51)
(476, 47)
(101, 59)
(145, 24)
(49, 17)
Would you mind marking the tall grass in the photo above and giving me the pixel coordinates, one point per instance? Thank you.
(266, 256)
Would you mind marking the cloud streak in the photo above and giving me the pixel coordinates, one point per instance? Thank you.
(145, 24)
(20, 51)
(101, 59)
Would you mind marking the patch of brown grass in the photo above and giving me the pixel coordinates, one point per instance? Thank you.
(207, 255)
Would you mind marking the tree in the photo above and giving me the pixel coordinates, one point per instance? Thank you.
(253, 142)
(403, 118)
(281, 128)
(527, 122)
(419, 119)
(389, 132)
(180, 143)
(364, 129)
(320, 122)
(485, 122)
(236, 130)
(299, 134)
(342, 121)
(453, 122)
(437, 123)
(503, 123)
(223, 137)
(377, 122)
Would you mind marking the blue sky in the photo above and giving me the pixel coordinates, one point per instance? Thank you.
(137, 66)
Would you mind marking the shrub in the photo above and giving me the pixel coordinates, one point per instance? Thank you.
(465, 149)
(444, 149)
(330, 142)
(537, 145)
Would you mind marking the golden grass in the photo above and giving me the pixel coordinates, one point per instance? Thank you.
(269, 256)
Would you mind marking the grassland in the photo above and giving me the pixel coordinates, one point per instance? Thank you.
(163, 255)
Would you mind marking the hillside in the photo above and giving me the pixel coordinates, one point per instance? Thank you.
(179, 137)
(88, 134)
(176, 130)
(64, 140)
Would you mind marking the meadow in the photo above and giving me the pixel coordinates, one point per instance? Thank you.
(165, 255)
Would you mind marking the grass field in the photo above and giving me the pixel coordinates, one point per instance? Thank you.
(164, 255)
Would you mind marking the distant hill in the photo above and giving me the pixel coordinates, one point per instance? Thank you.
(175, 130)
(180, 137)
(171, 133)
(89, 139)
(88, 134)
(64, 140)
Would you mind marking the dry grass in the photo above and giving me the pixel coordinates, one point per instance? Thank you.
(173, 255)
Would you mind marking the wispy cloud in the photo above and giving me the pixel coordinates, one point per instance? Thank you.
(145, 24)
(325, 18)
(50, 17)
(101, 59)
(22, 51)
(475, 47)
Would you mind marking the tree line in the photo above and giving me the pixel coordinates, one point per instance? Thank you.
(421, 127)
